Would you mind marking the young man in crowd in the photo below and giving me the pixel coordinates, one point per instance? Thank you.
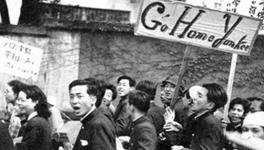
(155, 113)
(110, 95)
(168, 138)
(206, 130)
(106, 106)
(97, 132)
(125, 84)
(168, 87)
(143, 134)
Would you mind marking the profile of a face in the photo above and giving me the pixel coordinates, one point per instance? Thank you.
(108, 97)
(9, 94)
(197, 100)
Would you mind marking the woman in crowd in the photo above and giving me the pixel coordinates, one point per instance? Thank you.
(238, 109)
(37, 133)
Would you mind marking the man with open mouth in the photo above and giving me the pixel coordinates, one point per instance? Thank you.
(97, 132)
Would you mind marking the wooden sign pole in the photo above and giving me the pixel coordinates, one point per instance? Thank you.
(230, 84)
(182, 71)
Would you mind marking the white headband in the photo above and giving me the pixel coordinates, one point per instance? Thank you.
(256, 118)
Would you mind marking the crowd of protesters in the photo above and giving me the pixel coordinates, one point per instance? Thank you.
(137, 122)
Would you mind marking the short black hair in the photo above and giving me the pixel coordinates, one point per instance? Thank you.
(113, 89)
(16, 86)
(216, 94)
(93, 88)
(132, 82)
(255, 99)
(245, 103)
(148, 87)
(140, 100)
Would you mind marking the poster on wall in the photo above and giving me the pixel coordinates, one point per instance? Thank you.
(19, 59)
(197, 26)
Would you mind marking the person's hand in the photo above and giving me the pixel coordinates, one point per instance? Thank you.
(172, 126)
(169, 115)
(224, 123)
(17, 140)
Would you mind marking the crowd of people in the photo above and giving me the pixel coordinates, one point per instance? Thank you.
(196, 122)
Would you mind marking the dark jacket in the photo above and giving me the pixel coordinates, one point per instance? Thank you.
(121, 117)
(155, 114)
(97, 133)
(6, 142)
(207, 133)
(143, 135)
(107, 112)
(231, 127)
(36, 135)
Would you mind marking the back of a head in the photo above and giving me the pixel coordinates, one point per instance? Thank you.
(216, 94)
(139, 100)
(132, 82)
(93, 88)
(148, 87)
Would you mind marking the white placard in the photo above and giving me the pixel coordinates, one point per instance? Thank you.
(19, 59)
(198, 26)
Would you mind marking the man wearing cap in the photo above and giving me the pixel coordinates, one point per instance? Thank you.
(168, 89)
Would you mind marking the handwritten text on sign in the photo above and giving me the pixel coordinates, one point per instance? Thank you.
(19, 59)
(197, 26)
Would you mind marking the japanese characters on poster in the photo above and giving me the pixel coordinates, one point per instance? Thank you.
(19, 59)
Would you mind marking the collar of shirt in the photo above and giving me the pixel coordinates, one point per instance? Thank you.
(139, 120)
(199, 115)
(32, 115)
(92, 109)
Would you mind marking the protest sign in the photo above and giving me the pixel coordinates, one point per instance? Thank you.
(197, 26)
(19, 59)
(252, 8)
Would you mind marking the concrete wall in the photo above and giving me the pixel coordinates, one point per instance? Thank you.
(109, 55)
(72, 54)
(59, 63)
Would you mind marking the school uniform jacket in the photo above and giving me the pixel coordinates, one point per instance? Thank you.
(121, 117)
(207, 133)
(143, 135)
(97, 133)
